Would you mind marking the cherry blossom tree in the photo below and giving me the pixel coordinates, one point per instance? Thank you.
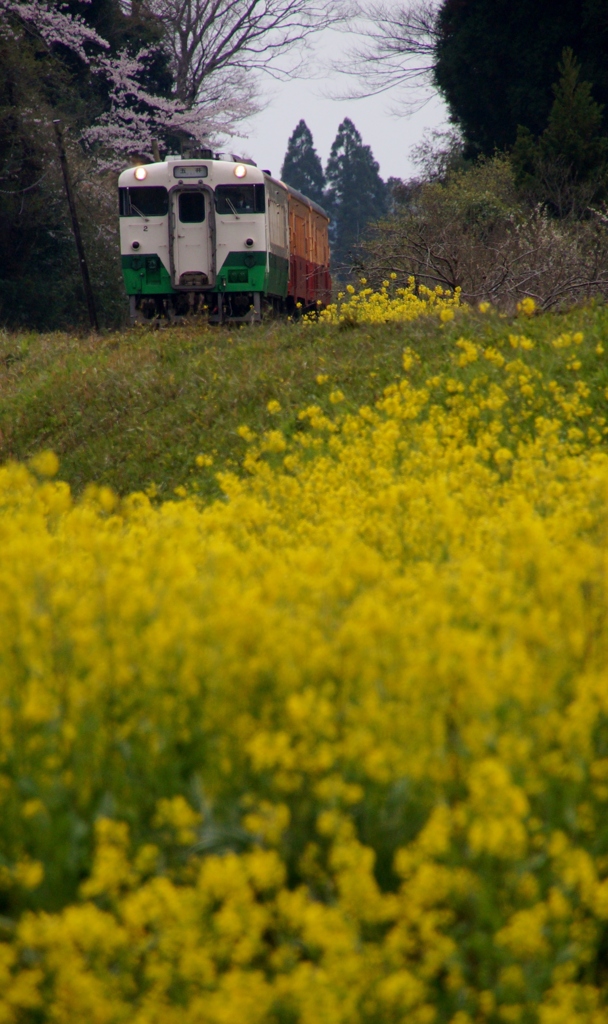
(215, 48)
(53, 23)
(135, 118)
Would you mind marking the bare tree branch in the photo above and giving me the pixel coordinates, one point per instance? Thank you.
(399, 48)
(440, 237)
(217, 41)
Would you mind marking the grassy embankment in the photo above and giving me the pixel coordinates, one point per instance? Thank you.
(135, 408)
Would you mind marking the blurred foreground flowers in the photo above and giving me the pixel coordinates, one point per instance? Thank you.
(332, 750)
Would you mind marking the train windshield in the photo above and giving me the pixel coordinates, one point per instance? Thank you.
(151, 201)
(239, 199)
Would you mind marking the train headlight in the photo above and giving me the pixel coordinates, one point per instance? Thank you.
(141, 173)
(240, 171)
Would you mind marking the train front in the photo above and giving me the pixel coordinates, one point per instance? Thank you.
(193, 238)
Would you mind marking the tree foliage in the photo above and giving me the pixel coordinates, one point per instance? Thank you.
(476, 231)
(566, 166)
(356, 194)
(56, 65)
(496, 61)
(302, 168)
(44, 75)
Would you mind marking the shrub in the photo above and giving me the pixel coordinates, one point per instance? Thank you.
(471, 232)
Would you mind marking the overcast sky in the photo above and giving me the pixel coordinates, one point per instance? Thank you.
(391, 138)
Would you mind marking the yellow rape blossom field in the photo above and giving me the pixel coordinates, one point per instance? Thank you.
(388, 304)
(332, 749)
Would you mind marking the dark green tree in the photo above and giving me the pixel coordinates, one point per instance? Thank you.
(302, 168)
(495, 62)
(356, 195)
(566, 167)
(40, 282)
(38, 270)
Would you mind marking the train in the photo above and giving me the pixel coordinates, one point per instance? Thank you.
(220, 237)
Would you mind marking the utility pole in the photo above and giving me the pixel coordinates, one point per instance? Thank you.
(82, 260)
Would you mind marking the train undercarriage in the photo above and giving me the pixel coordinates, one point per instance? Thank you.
(213, 307)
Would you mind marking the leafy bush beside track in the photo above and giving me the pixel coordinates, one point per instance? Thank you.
(334, 747)
(474, 230)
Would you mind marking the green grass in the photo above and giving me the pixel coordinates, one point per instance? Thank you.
(135, 408)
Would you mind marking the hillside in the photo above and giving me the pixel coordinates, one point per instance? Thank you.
(135, 408)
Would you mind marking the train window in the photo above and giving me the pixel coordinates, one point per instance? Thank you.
(238, 199)
(191, 207)
(151, 201)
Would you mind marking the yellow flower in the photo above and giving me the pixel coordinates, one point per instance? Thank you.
(380, 307)
(107, 499)
(28, 874)
(502, 455)
(177, 815)
(216, 717)
(246, 433)
(274, 441)
(273, 406)
(33, 807)
(45, 463)
(527, 306)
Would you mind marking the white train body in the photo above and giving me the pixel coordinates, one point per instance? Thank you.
(215, 234)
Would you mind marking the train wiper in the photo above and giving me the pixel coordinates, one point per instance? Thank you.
(232, 208)
(137, 210)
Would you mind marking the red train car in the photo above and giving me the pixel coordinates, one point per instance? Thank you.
(309, 278)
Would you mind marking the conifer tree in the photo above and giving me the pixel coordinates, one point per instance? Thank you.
(356, 195)
(495, 60)
(567, 166)
(302, 168)
(575, 121)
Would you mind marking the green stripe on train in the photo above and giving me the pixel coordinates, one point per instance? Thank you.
(247, 271)
(144, 274)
